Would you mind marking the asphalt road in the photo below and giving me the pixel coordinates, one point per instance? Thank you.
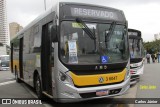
(10, 89)
(149, 84)
(6, 76)
(147, 87)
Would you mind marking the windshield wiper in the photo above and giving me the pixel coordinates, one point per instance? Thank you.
(86, 29)
(110, 32)
(122, 44)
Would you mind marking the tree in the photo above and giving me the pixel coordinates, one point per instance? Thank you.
(152, 47)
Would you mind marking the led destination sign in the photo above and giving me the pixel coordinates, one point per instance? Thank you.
(93, 12)
(133, 33)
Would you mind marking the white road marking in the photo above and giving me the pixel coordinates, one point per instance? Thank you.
(30, 91)
(8, 82)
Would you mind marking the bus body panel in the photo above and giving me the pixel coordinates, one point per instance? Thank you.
(93, 79)
(29, 67)
(137, 68)
(68, 92)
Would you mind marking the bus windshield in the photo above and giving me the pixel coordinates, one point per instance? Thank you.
(78, 47)
(135, 48)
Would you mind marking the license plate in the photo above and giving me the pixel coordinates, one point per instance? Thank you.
(102, 93)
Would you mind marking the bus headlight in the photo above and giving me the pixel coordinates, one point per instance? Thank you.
(64, 78)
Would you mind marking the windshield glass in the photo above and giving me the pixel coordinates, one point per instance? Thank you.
(136, 50)
(79, 47)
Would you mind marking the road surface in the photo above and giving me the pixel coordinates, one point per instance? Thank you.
(147, 87)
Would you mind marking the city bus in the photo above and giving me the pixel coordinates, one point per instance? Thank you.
(4, 62)
(74, 52)
(136, 55)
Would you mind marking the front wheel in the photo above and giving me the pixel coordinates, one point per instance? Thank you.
(38, 87)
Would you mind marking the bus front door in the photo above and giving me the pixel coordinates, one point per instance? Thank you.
(21, 58)
(46, 59)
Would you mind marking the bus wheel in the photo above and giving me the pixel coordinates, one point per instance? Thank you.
(38, 87)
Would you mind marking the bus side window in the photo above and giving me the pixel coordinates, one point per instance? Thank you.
(36, 39)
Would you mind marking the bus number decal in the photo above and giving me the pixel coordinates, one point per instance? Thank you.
(111, 78)
(106, 78)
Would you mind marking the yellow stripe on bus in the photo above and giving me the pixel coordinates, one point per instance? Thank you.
(85, 80)
(16, 63)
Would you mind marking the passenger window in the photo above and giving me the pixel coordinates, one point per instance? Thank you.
(37, 39)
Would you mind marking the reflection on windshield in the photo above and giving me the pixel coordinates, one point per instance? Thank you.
(78, 48)
(135, 48)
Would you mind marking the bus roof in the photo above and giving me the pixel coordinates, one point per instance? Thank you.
(44, 14)
(87, 4)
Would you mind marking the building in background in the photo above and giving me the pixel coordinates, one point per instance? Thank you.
(4, 38)
(14, 28)
(157, 36)
(4, 49)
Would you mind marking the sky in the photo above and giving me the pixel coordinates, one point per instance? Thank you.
(143, 15)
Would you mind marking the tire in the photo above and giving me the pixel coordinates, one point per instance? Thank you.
(38, 87)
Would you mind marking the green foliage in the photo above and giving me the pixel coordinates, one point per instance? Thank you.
(152, 47)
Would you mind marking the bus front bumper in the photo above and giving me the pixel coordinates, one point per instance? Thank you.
(135, 74)
(69, 93)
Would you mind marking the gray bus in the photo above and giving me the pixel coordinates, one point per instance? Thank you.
(74, 52)
(136, 55)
